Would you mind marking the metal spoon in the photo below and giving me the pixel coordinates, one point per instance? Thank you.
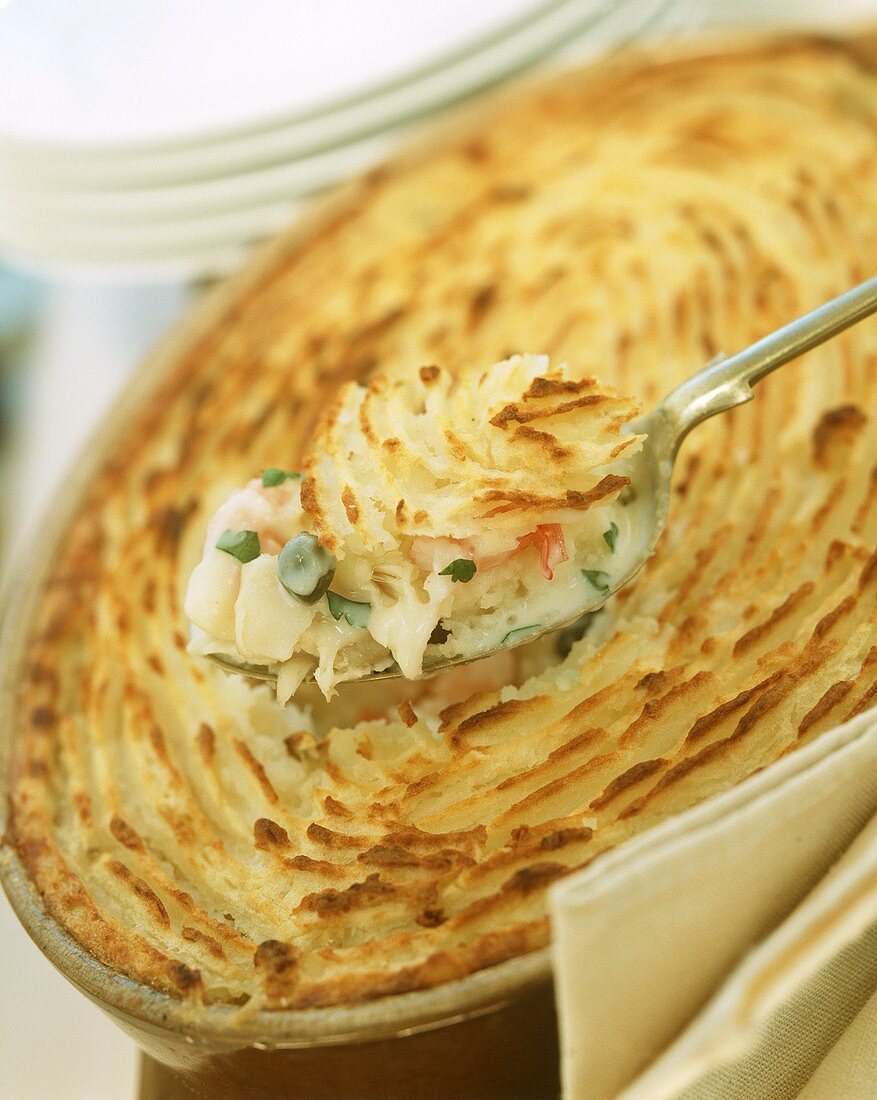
(721, 385)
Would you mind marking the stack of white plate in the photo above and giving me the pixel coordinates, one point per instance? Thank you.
(163, 139)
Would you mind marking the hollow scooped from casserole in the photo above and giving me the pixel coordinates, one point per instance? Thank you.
(434, 515)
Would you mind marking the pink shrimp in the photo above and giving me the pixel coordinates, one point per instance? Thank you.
(549, 541)
(429, 553)
(254, 508)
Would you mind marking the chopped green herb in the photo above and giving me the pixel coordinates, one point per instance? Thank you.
(460, 569)
(305, 568)
(243, 545)
(600, 580)
(355, 613)
(611, 535)
(514, 636)
(273, 477)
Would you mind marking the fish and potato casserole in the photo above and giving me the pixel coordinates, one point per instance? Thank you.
(629, 221)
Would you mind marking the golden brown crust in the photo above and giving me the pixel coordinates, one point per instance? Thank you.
(636, 218)
(511, 499)
(516, 434)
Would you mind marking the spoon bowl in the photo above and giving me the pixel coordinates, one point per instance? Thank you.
(724, 383)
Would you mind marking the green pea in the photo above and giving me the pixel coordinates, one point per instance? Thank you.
(305, 568)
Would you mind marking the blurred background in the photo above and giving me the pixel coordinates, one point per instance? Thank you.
(145, 150)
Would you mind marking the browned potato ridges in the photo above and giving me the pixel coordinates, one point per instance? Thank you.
(635, 218)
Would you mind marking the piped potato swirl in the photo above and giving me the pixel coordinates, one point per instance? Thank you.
(635, 218)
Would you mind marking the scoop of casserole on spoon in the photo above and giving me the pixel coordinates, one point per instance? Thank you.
(438, 520)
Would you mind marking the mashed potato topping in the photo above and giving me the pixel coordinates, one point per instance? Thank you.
(451, 513)
(637, 217)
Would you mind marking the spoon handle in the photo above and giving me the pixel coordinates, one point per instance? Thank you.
(727, 381)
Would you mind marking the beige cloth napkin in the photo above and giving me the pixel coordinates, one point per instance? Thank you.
(732, 951)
